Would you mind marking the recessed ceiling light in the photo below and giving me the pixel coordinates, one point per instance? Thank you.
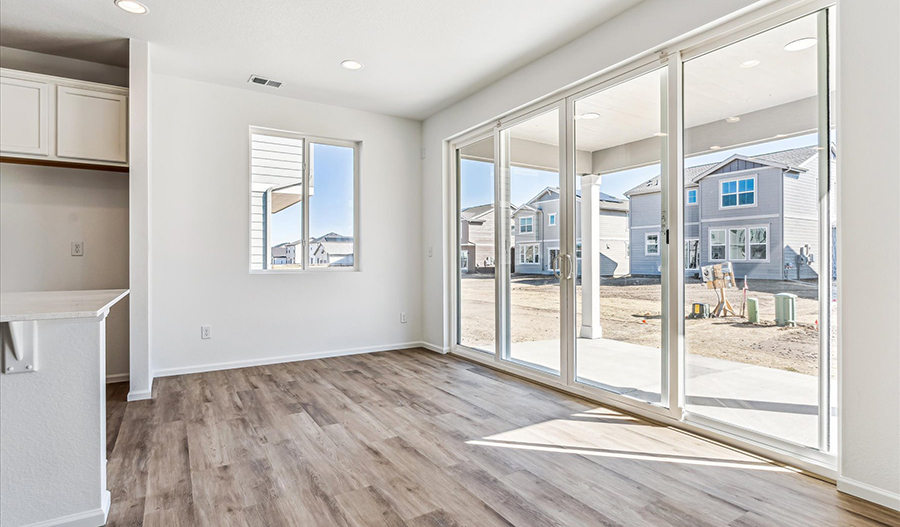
(749, 63)
(132, 6)
(351, 65)
(590, 115)
(715, 147)
(732, 119)
(800, 44)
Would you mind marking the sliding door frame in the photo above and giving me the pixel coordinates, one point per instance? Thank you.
(670, 410)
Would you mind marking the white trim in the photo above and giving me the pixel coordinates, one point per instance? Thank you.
(647, 227)
(741, 218)
(435, 348)
(551, 219)
(217, 366)
(737, 192)
(687, 199)
(521, 226)
(113, 378)
(140, 395)
(91, 518)
(868, 492)
(647, 236)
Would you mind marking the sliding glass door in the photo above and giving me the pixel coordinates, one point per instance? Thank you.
(663, 238)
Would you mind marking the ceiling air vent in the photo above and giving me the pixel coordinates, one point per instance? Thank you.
(256, 79)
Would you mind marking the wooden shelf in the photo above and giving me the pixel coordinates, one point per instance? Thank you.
(61, 164)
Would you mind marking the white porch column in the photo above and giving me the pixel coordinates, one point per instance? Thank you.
(590, 257)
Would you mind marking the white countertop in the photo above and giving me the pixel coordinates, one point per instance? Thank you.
(51, 305)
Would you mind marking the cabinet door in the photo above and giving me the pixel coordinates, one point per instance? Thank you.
(24, 117)
(91, 125)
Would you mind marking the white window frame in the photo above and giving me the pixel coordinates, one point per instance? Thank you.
(725, 244)
(536, 252)
(551, 219)
(750, 245)
(308, 141)
(647, 236)
(737, 193)
(729, 244)
(691, 192)
(522, 224)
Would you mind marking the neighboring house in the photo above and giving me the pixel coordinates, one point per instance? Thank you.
(760, 213)
(536, 228)
(476, 237)
(285, 253)
(332, 249)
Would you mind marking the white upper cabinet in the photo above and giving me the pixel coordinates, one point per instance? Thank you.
(24, 117)
(91, 125)
(62, 120)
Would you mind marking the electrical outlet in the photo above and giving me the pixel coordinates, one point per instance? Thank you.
(205, 332)
(403, 317)
(77, 248)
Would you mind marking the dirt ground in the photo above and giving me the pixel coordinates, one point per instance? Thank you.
(630, 312)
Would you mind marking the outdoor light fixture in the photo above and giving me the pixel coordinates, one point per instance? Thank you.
(131, 6)
(800, 44)
(590, 115)
(732, 120)
(749, 63)
(351, 65)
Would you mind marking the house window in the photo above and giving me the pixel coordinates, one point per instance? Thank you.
(692, 197)
(551, 220)
(717, 244)
(651, 244)
(578, 251)
(737, 244)
(759, 243)
(464, 260)
(526, 224)
(530, 254)
(739, 192)
(294, 225)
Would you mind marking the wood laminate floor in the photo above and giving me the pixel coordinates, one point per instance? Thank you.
(416, 439)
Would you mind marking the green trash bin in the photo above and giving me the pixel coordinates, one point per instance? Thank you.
(785, 309)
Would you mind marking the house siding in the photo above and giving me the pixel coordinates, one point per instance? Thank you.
(645, 211)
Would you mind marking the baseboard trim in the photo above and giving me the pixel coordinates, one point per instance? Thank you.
(201, 368)
(139, 396)
(867, 492)
(91, 518)
(435, 348)
(116, 377)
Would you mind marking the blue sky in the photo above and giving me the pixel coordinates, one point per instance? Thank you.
(331, 206)
(478, 176)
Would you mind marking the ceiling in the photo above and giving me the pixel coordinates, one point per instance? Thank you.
(715, 87)
(419, 56)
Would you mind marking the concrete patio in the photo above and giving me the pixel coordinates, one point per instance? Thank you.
(774, 402)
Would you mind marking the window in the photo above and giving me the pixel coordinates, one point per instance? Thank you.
(759, 243)
(578, 250)
(691, 254)
(464, 260)
(530, 254)
(551, 220)
(651, 244)
(737, 244)
(692, 197)
(717, 244)
(739, 192)
(303, 197)
(526, 224)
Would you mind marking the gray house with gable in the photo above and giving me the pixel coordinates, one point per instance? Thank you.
(760, 213)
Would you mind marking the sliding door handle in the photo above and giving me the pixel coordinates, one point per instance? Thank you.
(571, 267)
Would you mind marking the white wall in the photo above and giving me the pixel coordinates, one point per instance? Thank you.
(200, 234)
(869, 262)
(42, 211)
(869, 99)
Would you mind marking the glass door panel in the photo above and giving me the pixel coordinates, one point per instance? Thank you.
(477, 271)
(757, 200)
(532, 198)
(619, 142)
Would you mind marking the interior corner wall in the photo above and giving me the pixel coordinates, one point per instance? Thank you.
(139, 127)
(639, 30)
(201, 232)
(869, 259)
